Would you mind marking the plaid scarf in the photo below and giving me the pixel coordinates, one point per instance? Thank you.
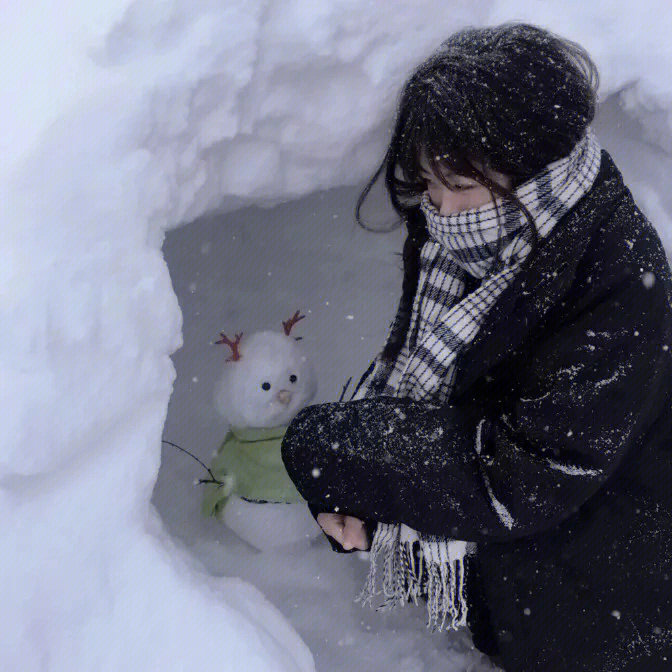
(486, 245)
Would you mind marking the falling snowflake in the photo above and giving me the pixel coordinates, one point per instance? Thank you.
(648, 279)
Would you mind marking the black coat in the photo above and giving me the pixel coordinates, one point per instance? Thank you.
(568, 388)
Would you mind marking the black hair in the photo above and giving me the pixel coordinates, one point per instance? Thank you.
(512, 98)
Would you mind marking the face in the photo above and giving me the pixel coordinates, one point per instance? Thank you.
(462, 193)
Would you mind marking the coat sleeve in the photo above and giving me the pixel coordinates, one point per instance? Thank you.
(478, 472)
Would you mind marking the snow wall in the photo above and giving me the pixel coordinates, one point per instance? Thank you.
(120, 121)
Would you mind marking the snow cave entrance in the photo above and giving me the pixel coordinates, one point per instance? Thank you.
(246, 271)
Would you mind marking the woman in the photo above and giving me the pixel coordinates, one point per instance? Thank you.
(508, 453)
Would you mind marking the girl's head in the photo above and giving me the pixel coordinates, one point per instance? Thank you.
(489, 109)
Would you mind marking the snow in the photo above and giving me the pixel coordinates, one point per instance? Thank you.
(124, 120)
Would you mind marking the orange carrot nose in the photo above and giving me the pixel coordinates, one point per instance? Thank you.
(284, 397)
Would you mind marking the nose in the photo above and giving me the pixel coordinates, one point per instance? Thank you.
(284, 397)
(445, 205)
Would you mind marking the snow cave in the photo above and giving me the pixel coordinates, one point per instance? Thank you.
(177, 169)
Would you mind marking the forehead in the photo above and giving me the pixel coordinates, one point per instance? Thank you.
(446, 171)
(423, 163)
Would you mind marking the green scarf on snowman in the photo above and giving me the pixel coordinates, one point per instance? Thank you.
(250, 465)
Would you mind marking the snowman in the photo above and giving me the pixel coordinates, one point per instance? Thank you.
(266, 381)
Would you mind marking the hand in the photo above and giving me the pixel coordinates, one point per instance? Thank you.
(348, 531)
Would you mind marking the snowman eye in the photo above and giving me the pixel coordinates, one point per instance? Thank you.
(265, 386)
(292, 378)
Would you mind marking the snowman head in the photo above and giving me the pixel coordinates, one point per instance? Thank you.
(267, 380)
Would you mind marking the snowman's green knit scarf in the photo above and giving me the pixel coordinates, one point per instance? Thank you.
(249, 463)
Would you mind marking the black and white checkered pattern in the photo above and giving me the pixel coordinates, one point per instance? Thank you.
(444, 322)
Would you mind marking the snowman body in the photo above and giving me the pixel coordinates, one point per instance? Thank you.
(259, 394)
(270, 525)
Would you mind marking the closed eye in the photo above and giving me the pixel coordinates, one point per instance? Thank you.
(430, 184)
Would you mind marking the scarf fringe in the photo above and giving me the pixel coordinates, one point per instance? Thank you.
(437, 572)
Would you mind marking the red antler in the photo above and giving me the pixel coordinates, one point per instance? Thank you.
(232, 344)
(288, 324)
